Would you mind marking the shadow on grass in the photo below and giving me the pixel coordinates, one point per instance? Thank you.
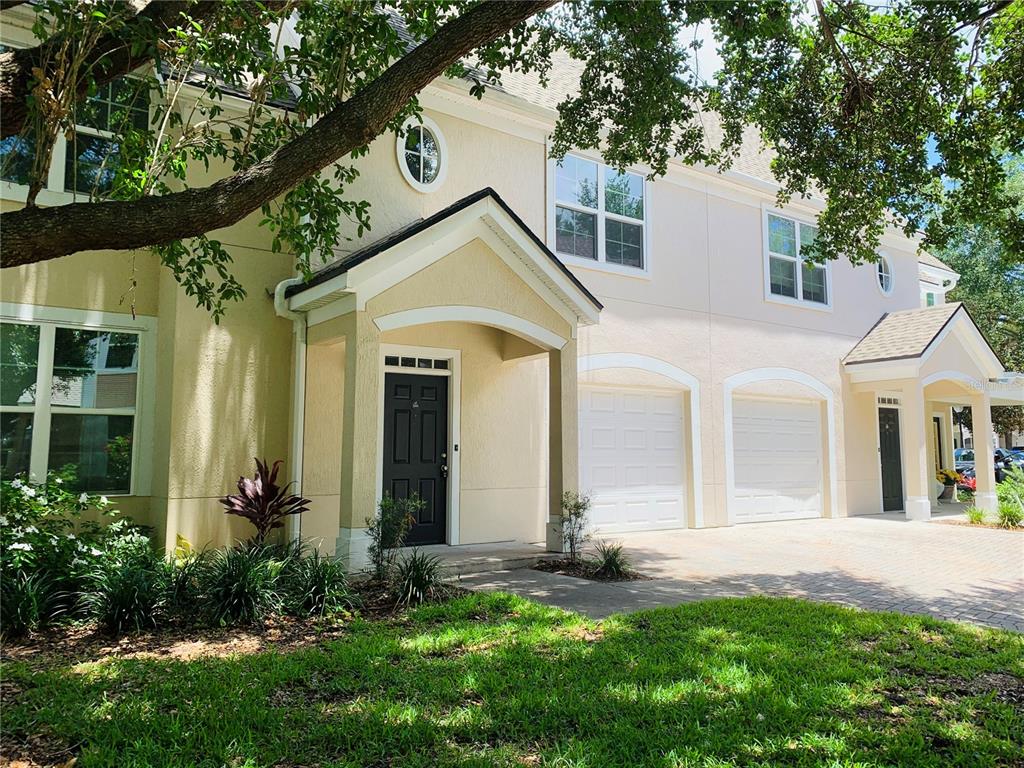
(496, 680)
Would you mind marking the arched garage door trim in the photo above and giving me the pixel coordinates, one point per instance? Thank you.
(689, 381)
(777, 374)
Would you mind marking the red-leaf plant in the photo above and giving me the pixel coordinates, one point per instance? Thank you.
(262, 502)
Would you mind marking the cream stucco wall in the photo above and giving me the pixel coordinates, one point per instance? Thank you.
(223, 390)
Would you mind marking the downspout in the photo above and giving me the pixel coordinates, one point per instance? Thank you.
(297, 415)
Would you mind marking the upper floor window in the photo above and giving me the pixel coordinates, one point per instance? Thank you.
(929, 299)
(789, 276)
(884, 270)
(422, 155)
(85, 160)
(599, 213)
(68, 397)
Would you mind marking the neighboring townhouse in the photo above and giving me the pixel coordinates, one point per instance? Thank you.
(511, 328)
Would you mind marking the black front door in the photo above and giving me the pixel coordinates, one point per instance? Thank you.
(892, 467)
(416, 448)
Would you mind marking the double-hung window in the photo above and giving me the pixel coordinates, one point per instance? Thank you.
(790, 277)
(68, 398)
(85, 160)
(599, 214)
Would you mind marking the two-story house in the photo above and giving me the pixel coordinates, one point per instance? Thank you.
(511, 328)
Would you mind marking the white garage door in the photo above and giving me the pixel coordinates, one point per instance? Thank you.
(778, 461)
(631, 458)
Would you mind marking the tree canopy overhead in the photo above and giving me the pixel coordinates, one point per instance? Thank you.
(898, 113)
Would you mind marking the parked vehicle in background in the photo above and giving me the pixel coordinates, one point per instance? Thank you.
(963, 458)
(1010, 459)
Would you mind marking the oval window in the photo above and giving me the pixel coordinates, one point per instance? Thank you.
(422, 155)
(884, 275)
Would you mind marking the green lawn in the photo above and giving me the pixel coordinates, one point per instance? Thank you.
(495, 680)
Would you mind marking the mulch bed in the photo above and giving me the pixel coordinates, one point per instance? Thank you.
(969, 524)
(585, 569)
(81, 642)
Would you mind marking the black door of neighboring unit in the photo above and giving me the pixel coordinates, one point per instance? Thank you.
(892, 468)
(416, 448)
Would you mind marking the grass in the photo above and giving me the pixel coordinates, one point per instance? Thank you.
(496, 680)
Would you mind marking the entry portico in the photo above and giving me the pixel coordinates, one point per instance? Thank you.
(425, 360)
(916, 365)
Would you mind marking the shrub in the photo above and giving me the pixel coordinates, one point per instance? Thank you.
(126, 592)
(612, 561)
(975, 516)
(262, 502)
(1010, 515)
(47, 547)
(25, 601)
(417, 578)
(388, 529)
(575, 510)
(183, 585)
(317, 586)
(240, 584)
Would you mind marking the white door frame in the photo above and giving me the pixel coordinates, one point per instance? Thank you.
(454, 375)
(779, 374)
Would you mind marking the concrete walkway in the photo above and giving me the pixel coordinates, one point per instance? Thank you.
(879, 563)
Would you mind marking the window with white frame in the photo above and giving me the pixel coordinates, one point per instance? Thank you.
(599, 213)
(884, 269)
(422, 154)
(789, 275)
(85, 160)
(68, 398)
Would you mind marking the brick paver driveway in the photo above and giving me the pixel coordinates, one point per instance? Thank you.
(878, 563)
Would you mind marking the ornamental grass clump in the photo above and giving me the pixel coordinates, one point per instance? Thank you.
(975, 516)
(317, 586)
(240, 584)
(263, 502)
(417, 578)
(612, 561)
(127, 590)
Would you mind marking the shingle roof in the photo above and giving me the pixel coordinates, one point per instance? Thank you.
(902, 335)
(933, 261)
(387, 242)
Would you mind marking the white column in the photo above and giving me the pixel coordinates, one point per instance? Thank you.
(918, 476)
(984, 460)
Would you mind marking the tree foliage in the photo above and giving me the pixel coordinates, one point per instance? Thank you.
(899, 113)
(991, 286)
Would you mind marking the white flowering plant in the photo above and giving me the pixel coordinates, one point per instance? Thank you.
(48, 544)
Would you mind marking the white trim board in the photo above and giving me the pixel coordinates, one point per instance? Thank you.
(478, 315)
(601, 362)
(731, 384)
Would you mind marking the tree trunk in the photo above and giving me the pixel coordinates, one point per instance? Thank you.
(37, 234)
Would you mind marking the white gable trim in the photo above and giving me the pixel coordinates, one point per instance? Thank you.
(483, 220)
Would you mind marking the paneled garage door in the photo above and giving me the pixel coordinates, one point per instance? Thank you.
(632, 458)
(778, 460)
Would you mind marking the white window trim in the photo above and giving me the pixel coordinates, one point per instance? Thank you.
(49, 319)
(887, 260)
(442, 149)
(600, 264)
(767, 210)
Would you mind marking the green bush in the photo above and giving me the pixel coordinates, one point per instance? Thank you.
(612, 561)
(127, 591)
(47, 548)
(575, 511)
(1010, 515)
(317, 586)
(240, 584)
(975, 516)
(417, 578)
(183, 586)
(388, 529)
(25, 602)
